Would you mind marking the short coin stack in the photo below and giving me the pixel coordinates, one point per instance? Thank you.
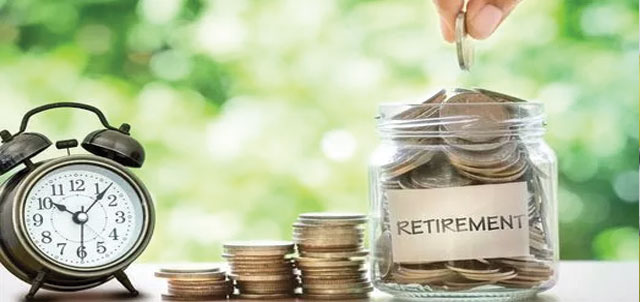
(195, 284)
(261, 269)
(331, 256)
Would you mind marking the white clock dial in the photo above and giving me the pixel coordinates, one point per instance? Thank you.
(83, 216)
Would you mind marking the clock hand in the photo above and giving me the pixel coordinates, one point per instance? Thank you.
(99, 197)
(62, 208)
(81, 238)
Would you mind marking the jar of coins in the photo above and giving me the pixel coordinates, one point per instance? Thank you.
(463, 198)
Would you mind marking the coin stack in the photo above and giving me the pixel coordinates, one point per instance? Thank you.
(262, 269)
(331, 256)
(463, 157)
(195, 284)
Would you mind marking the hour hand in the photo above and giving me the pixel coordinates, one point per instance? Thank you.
(62, 208)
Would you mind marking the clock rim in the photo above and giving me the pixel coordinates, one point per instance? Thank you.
(25, 186)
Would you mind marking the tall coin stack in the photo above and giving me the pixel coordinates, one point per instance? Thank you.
(262, 269)
(331, 256)
(195, 284)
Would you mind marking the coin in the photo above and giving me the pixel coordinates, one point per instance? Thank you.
(335, 255)
(384, 255)
(263, 296)
(189, 268)
(500, 96)
(194, 282)
(330, 248)
(196, 276)
(323, 216)
(338, 291)
(261, 269)
(258, 248)
(169, 297)
(464, 48)
(474, 117)
(437, 173)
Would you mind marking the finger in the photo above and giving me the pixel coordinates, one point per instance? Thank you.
(448, 10)
(484, 16)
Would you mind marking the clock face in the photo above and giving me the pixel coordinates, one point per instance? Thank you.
(83, 216)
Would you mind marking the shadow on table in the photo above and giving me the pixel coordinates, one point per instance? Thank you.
(85, 296)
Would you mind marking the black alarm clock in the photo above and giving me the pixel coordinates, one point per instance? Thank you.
(77, 221)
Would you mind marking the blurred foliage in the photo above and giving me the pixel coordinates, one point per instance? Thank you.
(255, 111)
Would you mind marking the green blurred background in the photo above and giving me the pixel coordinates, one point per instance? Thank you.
(255, 111)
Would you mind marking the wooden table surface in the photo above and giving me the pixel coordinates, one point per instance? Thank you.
(580, 281)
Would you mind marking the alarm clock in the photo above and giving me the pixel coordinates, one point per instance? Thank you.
(73, 222)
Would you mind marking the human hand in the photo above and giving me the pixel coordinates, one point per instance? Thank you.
(482, 19)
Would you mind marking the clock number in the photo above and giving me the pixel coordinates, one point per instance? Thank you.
(37, 220)
(112, 200)
(77, 185)
(120, 218)
(114, 234)
(56, 190)
(81, 252)
(45, 203)
(100, 248)
(61, 246)
(97, 188)
(46, 237)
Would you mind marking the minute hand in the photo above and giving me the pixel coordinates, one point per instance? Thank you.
(99, 197)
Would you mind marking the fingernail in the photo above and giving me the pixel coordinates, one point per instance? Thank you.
(447, 32)
(485, 22)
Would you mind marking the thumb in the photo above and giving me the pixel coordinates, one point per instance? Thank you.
(484, 16)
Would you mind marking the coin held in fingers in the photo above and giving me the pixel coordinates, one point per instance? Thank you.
(464, 47)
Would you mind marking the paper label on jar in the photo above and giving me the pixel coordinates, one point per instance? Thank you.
(470, 222)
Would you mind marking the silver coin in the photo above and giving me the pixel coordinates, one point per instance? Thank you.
(499, 96)
(474, 117)
(384, 255)
(437, 173)
(464, 47)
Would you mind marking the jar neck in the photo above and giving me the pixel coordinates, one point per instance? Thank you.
(478, 122)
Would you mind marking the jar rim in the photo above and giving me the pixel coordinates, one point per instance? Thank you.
(522, 119)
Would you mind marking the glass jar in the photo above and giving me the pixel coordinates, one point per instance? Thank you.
(463, 199)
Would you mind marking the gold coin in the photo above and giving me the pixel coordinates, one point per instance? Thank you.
(189, 269)
(196, 276)
(333, 278)
(261, 277)
(258, 248)
(337, 286)
(332, 216)
(198, 292)
(333, 222)
(265, 265)
(339, 291)
(191, 298)
(334, 255)
(321, 249)
(519, 283)
(234, 257)
(315, 227)
(264, 296)
(321, 263)
(181, 282)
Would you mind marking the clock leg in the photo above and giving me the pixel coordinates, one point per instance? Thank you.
(35, 286)
(124, 280)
